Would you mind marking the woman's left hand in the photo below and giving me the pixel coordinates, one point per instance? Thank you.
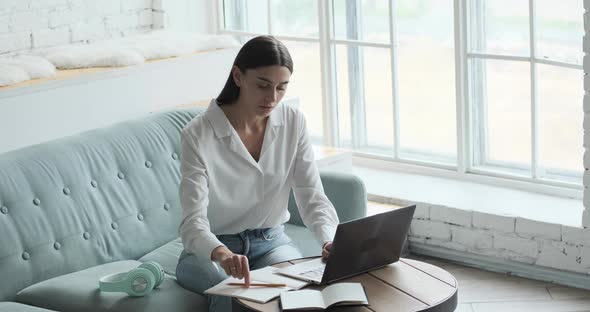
(326, 250)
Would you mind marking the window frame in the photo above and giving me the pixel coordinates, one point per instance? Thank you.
(471, 163)
(481, 165)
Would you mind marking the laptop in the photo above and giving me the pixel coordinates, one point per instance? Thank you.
(359, 246)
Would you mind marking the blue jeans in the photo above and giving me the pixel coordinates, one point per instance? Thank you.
(263, 247)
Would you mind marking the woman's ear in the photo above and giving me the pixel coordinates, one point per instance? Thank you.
(236, 75)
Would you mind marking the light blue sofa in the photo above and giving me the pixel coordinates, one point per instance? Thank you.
(101, 202)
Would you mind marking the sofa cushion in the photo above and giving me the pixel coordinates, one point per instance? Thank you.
(303, 239)
(18, 307)
(79, 291)
(166, 255)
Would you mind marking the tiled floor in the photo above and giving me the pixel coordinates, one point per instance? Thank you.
(483, 291)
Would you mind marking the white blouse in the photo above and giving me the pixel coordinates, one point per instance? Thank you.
(225, 191)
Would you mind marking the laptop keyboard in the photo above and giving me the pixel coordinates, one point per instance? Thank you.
(315, 273)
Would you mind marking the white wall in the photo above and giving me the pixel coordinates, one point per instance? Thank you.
(26, 24)
(586, 217)
(185, 15)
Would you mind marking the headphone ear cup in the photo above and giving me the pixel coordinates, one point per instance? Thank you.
(156, 269)
(141, 282)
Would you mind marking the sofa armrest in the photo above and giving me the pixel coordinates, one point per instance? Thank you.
(346, 192)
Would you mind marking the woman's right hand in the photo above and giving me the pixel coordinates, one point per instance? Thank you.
(233, 264)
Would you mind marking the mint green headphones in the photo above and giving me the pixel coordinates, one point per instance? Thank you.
(137, 282)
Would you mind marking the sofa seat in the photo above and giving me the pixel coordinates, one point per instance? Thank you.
(18, 307)
(166, 255)
(79, 291)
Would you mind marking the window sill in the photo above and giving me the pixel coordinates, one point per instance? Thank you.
(402, 187)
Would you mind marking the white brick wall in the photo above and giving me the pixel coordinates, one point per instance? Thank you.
(511, 238)
(50, 37)
(88, 30)
(29, 20)
(472, 238)
(431, 229)
(15, 41)
(575, 236)
(40, 23)
(498, 223)
(535, 229)
(451, 216)
(4, 21)
(521, 246)
(562, 256)
(586, 44)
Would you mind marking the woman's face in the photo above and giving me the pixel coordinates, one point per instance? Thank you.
(262, 88)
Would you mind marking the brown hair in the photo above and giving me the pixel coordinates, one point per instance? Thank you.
(257, 52)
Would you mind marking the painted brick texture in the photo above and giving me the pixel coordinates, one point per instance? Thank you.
(26, 24)
(586, 105)
(503, 237)
(510, 238)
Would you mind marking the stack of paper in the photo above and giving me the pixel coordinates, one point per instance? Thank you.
(257, 293)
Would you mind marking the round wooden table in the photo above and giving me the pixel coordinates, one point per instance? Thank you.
(407, 285)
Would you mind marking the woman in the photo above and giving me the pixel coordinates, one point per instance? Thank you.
(240, 159)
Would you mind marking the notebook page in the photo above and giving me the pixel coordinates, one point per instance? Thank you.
(257, 293)
(344, 292)
(302, 299)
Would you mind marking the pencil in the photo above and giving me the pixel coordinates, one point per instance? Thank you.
(258, 284)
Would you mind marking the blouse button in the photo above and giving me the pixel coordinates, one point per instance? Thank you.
(121, 175)
(86, 235)
(36, 201)
(4, 210)
(56, 245)
(174, 156)
(66, 191)
(93, 183)
(148, 164)
(140, 217)
(26, 256)
(166, 206)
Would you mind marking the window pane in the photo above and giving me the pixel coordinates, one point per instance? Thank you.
(560, 28)
(366, 20)
(426, 81)
(378, 99)
(560, 95)
(245, 15)
(503, 100)
(371, 86)
(498, 30)
(342, 82)
(306, 83)
(295, 18)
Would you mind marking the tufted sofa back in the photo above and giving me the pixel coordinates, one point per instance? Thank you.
(100, 196)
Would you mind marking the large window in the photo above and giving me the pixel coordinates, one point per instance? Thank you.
(525, 88)
(492, 88)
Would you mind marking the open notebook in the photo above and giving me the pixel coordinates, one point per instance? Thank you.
(257, 293)
(334, 295)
